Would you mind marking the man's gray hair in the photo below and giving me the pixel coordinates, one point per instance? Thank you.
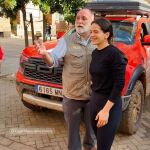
(91, 12)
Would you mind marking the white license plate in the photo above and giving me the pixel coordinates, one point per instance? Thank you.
(48, 90)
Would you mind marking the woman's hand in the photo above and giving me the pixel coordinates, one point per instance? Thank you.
(103, 115)
(40, 47)
(102, 118)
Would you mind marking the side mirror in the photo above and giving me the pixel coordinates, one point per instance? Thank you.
(146, 40)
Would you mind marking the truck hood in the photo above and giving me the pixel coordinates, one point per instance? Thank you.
(31, 51)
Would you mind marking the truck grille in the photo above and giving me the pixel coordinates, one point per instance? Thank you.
(37, 69)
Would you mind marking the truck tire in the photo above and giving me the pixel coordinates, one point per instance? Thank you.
(32, 107)
(131, 117)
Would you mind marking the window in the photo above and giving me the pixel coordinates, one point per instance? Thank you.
(124, 31)
(144, 31)
(148, 27)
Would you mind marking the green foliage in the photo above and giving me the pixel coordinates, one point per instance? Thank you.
(56, 6)
(10, 4)
(11, 7)
(70, 8)
(45, 8)
(49, 6)
(36, 2)
(10, 13)
(70, 18)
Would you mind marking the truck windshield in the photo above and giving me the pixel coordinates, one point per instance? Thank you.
(123, 31)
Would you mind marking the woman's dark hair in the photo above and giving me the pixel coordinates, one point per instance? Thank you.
(105, 26)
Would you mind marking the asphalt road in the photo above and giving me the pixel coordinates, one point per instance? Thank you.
(12, 49)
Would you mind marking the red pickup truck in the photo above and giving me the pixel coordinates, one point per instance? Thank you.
(41, 87)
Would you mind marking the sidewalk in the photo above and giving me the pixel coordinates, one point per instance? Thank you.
(7, 144)
(14, 117)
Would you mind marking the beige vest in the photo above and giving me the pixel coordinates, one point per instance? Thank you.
(76, 77)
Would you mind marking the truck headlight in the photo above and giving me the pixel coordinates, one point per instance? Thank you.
(23, 61)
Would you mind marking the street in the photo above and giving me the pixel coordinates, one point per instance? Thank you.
(21, 128)
(12, 49)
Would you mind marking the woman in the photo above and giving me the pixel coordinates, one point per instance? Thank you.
(108, 76)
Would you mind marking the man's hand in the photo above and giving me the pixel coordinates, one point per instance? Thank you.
(40, 47)
(102, 118)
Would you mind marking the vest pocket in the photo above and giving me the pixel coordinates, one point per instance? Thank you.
(77, 65)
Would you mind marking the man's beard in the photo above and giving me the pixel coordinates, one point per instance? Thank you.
(81, 30)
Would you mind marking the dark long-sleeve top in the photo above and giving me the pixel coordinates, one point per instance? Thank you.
(108, 72)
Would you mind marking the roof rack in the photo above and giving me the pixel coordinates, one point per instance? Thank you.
(127, 7)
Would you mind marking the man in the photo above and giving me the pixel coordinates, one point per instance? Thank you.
(48, 32)
(75, 49)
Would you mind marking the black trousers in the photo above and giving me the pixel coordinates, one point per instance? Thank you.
(105, 135)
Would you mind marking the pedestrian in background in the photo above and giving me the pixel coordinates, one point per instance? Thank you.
(1, 57)
(75, 49)
(107, 70)
(48, 32)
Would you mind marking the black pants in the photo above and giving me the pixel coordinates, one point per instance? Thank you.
(105, 135)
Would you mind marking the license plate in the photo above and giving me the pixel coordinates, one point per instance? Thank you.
(48, 90)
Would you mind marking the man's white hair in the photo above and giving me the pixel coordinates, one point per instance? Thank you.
(90, 11)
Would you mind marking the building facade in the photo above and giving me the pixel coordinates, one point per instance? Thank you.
(5, 28)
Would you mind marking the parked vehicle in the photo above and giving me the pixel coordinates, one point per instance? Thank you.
(1, 57)
(40, 86)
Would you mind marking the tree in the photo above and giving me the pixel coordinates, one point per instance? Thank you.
(48, 7)
(70, 8)
(10, 9)
(7, 7)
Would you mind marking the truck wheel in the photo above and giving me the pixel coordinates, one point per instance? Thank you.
(32, 107)
(131, 117)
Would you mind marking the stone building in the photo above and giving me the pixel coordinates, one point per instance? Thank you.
(5, 29)
(55, 20)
